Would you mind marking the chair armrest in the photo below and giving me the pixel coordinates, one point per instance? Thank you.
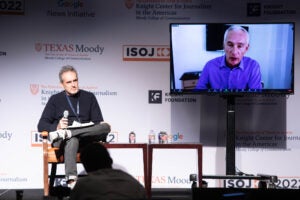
(44, 134)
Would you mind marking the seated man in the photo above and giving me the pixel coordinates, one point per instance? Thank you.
(103, 182)
(72, 106)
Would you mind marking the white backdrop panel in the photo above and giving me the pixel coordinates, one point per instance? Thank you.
(94, 37)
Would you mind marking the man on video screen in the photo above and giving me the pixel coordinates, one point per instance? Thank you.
(232, 70)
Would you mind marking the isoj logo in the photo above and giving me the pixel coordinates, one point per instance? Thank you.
(146, 53)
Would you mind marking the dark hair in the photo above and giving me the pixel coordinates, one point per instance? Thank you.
(94, 156)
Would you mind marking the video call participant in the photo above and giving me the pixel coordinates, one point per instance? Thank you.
(232, 70)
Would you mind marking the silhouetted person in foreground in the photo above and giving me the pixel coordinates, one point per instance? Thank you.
(102, 181)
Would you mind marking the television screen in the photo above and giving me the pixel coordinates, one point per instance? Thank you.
(251, 58)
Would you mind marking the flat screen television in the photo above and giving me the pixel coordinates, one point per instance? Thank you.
(271, 45)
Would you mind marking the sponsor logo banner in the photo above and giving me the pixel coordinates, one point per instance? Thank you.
(146, 53)
(3, 53)
(12, 7)
(70, 51)
(155, 96)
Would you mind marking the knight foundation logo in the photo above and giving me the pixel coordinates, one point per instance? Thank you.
(155, 96)
(146, 53)
(253, 9)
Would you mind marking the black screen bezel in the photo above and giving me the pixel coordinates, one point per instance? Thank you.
(173, 90)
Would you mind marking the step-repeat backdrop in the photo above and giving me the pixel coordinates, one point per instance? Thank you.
(121, 50)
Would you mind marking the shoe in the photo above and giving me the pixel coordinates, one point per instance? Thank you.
(64, 134)
(72, 184)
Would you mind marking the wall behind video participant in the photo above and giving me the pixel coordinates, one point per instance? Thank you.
(124, 60)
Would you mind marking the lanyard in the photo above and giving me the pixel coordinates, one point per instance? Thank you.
(77, 107)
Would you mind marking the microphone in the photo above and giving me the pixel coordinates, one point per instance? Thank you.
(66, 114)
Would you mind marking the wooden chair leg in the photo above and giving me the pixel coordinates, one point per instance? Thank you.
(52, 176)
(45, 163)
(46, 183)
(49, 179)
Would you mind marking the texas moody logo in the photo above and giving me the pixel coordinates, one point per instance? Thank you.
(68, 48)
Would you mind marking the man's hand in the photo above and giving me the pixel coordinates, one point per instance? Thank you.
(63, 123)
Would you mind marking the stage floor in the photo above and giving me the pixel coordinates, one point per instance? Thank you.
(37, 194)
(177, 194)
